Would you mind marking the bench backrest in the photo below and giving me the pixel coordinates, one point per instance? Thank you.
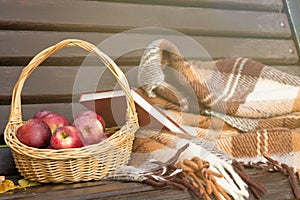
(225, 28)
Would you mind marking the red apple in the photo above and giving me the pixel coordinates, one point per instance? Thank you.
(41, 114)
(91, 130)
(92, 114)
(55, 121)
(34, 133)
(65, 137)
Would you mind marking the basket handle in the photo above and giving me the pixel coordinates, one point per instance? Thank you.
(15, 109)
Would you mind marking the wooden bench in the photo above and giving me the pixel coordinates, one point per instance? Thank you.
(262, 30)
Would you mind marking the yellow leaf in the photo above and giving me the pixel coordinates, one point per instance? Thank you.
(7, 185)
(26, 183)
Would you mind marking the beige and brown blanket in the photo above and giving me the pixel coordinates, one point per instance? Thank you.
(234, 108)
(245, 93)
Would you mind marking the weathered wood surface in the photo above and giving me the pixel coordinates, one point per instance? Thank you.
(18, 47)
(61, 80)
(116, 17)
(275, 5)
(277, 186)
(7, 166)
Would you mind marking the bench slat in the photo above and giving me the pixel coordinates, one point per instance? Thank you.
(275, 5)
(58, 83)
(18, 47)
(60, 80)
(116, 17)
(277, 186)
(7, 167)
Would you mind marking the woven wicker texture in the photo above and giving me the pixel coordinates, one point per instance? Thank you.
(91, 162)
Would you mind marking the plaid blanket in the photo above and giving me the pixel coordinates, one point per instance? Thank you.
(233, 108)
(244, 93)
(162, 158)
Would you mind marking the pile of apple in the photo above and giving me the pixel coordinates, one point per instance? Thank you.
(51, 130)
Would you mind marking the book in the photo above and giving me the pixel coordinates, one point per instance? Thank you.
(111, 105)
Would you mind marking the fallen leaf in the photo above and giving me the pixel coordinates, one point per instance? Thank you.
(26, 183)
(7, 185)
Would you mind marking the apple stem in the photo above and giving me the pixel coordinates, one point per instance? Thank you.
(64, 135)
(86, 130)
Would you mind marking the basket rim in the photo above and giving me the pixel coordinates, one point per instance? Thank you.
(15, 118)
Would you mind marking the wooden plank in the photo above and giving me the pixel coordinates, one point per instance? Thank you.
(35, 192)
(85, 190)
(59, 83)
(7, 166)
(90, 192)
(275, 5)
(159, 194)
(277, 186)
(124, 191)
(116, 17)
(293, 70)
(18, 47)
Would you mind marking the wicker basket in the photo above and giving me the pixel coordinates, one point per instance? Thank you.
(91, 162)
